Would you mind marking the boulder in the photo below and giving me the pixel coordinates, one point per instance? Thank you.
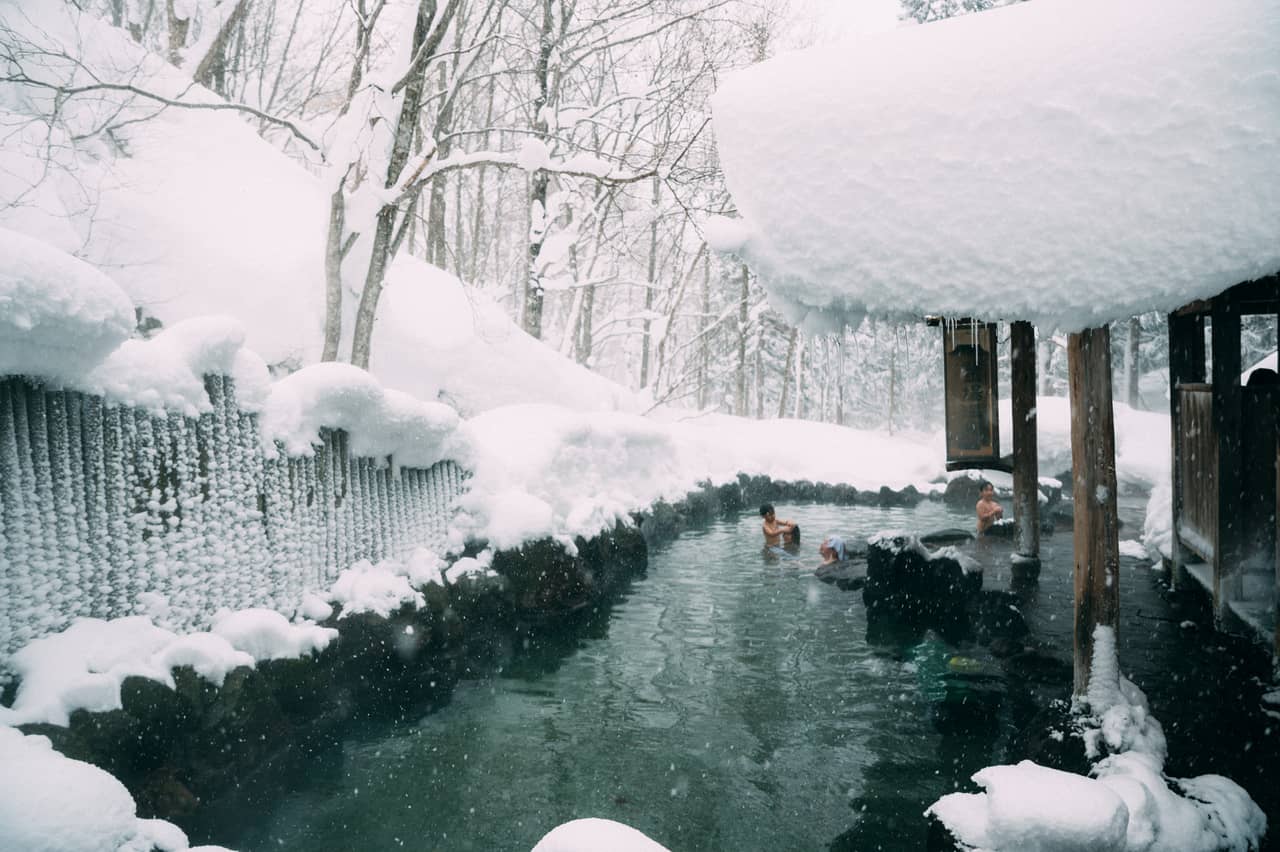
(847, 574)
(904, 575)
(950, 535)
(963, 491)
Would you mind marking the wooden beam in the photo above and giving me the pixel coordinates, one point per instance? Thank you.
(1186, 343)
(1026, 467)
(1229, 530)
(1093, 471)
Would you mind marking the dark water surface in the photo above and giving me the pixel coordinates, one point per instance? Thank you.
(729, 701)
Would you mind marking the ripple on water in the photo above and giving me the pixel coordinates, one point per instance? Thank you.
(732, 703)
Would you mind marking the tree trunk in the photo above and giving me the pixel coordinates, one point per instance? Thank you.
(786, 371)
(652, 279)
(893, 378)
(426, 40)
(333, 255)
(1026, 466)
(704, 319)
(1093, 472)
(211, 70)
(1045, 350)
(1131, 362)
(534, 294)
(744, 316)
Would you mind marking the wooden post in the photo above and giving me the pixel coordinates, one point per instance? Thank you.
(1026, 467)
(1186, 366)
(1093, 472)
(1228, 535)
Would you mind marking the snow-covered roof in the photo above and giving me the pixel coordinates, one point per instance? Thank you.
(1061, 161)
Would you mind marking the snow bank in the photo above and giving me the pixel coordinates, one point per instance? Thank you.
(167, 372)
(1128, 806)
(83, 667)
(1157, 525)
(379, 421)
(1066, 162)
(50, 803)
(58, 316)
(438, 339)
(1142, 439)
(591, 835)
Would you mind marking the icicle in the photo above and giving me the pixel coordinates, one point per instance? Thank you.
(73, 403)
(14, 551)
(330, 475)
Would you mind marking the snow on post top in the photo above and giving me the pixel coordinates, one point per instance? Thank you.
(58, 315)
(1066, 162)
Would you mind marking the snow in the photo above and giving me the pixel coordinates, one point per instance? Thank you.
(50, 803)
(1016, 164)
(1157, 525)
(1133, 549)
(83, 667)
(590, 835)
(381, 589)
(380, 421)
(58, 315)
(1128, 805)
(267, 635)
(166, 373)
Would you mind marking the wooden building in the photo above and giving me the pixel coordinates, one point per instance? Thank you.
(1226, 457)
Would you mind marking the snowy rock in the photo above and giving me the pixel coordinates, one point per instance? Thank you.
(380, 589)
(1067, 145)
(1030, 808)
(265, 634)
(50, 803)
(592, 835)
(58, 315)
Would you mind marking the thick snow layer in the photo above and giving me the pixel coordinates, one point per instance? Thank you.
(83, 667)
(167, 372)
(380, 421)
(1157, 524)
(592, 835)
(50, 803)
(58, 315)
(1066, 162)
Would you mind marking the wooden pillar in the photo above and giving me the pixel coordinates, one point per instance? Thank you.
(1026, 466)
(1228, 535)
(1093, 472)
(1186, 366)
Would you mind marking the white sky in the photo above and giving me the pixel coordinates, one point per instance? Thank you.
(838, 18)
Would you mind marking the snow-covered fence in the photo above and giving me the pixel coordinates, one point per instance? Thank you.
(109, 510)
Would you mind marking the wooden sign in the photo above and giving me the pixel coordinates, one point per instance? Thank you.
(972, 396)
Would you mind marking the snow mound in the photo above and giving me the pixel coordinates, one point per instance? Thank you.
(83, 667)
(1015, 164)
(58, 316)
(167, 372)
(380, 589)
(265, 634)
(1128, 806)
(591, 835)
(380, 421)
(50, 803)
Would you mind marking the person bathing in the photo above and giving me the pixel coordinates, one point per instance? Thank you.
(989, 511)
(832, 550)
(778, 533)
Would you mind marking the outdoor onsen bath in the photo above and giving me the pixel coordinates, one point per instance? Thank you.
(565, 425)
